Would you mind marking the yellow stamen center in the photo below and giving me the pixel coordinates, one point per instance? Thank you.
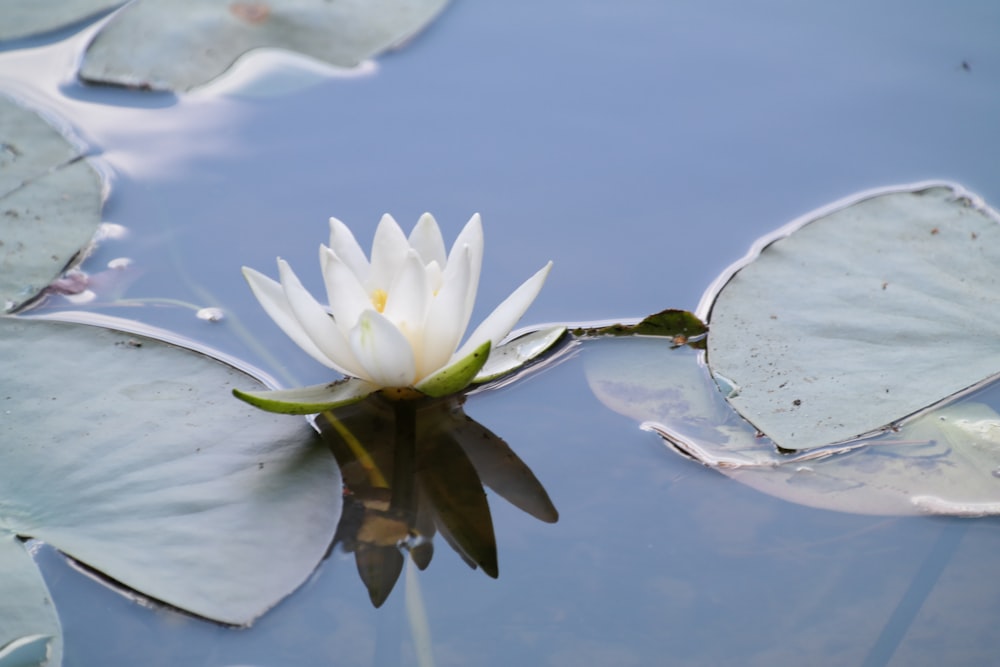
(378, 299)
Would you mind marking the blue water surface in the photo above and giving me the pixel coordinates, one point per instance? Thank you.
(642, 146)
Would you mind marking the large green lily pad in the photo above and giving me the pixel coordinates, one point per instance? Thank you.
(131, 455)
(941, 462)
(860, 315)
(50, 203)
(180, 44)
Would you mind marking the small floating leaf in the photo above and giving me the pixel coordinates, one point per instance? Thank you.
(131, 456)
(50, 203)
(180, 44)
(677, 324)
(861, 315)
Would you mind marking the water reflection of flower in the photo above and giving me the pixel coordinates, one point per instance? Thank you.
(413, 469)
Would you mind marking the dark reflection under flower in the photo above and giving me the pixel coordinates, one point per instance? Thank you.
(416, 468)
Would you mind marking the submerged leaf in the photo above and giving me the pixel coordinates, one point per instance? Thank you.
(50, 203)
(131, 456)
(862, 314)
(180, 44)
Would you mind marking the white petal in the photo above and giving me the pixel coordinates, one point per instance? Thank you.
(426, 239)
(272, 297)
(317, 323)
(383, 350)
(408, 298)
(435, 277)
(471, 236)
(346, 247)
(388, 252)
(346, 295)
(499, 323)
(446, 318)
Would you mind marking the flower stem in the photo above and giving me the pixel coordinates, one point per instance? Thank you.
(404, 458)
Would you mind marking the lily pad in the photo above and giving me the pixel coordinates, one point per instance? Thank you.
(131, 456)
(941, 462)
(861, 314)
(180, 44)
(50, 203)
(26, 19)
(30, 633)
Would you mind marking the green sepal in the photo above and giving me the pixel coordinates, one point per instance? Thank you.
(309, 400)
(456, 377)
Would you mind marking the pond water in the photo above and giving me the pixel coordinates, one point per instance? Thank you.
(642, 146)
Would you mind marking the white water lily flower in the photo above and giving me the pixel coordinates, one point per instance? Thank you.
(396, 321)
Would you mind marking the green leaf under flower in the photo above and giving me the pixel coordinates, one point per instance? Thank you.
(482, 366)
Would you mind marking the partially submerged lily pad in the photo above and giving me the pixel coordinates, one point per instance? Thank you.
(131, 456)
(30, 633)
(861, 314)
(180, 44)
(50, 203)
(941, 462)
(877, 317)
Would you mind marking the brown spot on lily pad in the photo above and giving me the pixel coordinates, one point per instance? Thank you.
(251, 12)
